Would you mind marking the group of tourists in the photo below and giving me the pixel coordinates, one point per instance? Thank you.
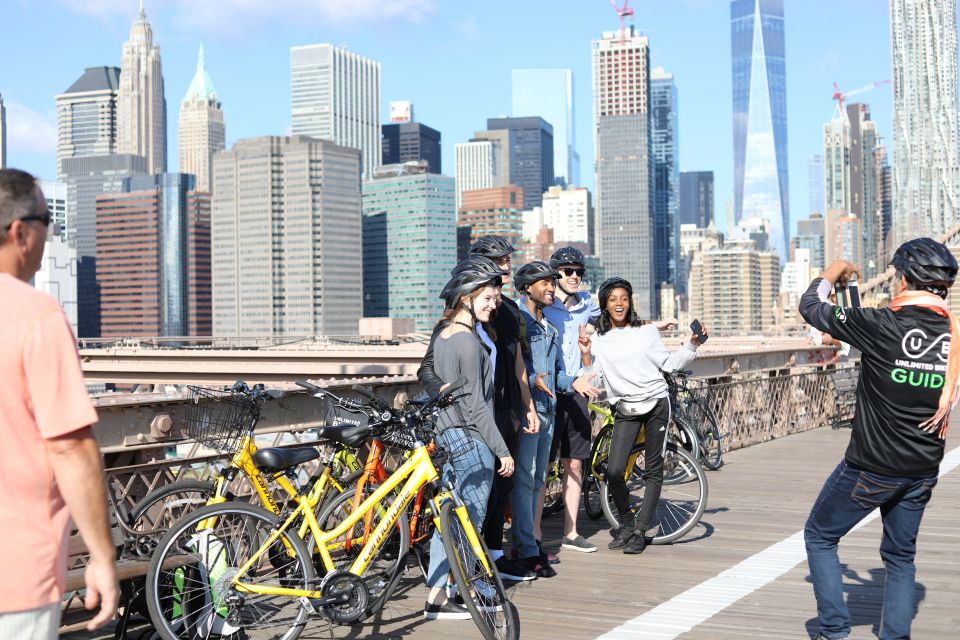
(531, 366)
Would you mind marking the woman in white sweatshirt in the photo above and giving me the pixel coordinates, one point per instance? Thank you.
(629, 355)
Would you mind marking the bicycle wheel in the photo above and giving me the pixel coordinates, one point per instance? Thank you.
(160, 508)
(683, 433)
(189, 591)
(682, 501)
(386, 566)
(708, 430)
(553, 501)
(591, 497)
(483, 593)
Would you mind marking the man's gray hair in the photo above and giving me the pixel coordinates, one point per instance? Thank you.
(18, 198)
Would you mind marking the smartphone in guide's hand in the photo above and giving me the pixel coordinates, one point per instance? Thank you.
(697, 329)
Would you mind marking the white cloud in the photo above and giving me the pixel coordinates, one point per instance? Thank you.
(235, 17)
(469, 27)
(29, 131)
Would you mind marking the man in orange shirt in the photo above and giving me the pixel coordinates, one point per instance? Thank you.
(50, 468)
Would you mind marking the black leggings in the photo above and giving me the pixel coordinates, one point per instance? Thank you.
(625, 429)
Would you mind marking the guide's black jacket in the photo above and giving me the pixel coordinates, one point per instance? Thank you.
(902, 370)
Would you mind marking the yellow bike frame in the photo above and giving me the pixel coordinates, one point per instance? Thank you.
(242, 459)
(608, 419)
(416, 472)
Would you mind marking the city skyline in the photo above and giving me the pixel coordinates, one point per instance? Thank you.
(259, 103)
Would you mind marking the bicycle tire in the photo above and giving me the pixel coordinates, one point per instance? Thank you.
(161, 508)
(188, 593)
(491, 609)
(553, 501)
(682, 502)
(684, 433)
(708, 430)
(382, 575)
(591, 497)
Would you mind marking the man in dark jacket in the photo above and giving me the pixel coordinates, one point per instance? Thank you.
(907, 384)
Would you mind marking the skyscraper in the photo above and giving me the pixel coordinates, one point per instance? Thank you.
(761, 186)
(87, 116)
(926, 167)
(409, 142)
(409, 243)
(86, 178)
(548, 93)
(736, 286)
(3, 134)
(202, 131)
(478, 167)
(55, 193)
(664, 148)
(863, 186)
(335, 95)
(153, 258)
(621, 109)
(531, 155)
(141, 106)
(836, 163)
(815, 183)
(291, 207)
(569, 212)
(695, 204)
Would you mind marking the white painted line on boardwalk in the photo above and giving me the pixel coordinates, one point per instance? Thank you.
(700, 603)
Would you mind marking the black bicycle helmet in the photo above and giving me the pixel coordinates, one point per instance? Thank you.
(926, 263)
(468, 276)
(608, 285)
(492, 247)
(567, 255)
(531, 272)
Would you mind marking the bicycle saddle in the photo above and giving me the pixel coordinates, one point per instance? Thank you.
(347, 436)
(274, 460)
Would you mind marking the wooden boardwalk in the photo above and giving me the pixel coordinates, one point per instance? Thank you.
(760, 498)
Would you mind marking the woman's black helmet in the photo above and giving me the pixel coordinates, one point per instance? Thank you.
(926, 262)
(567, 255)
(492, 247)
(608, 285)
(468, 276)
(531, 272)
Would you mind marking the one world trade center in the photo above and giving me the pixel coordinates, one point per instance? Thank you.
(760, 116)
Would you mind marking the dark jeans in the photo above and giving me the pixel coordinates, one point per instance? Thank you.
(847, 497)
(625, 429)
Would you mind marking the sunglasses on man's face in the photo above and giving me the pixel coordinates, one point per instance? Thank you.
(567, 272)
(46, 219)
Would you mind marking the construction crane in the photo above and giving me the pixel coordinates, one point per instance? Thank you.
(841, 97)
(623, 12)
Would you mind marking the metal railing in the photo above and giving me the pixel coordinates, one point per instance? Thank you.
(776, 403)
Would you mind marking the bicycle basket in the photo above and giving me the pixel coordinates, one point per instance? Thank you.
(336, 415)
(218, 419)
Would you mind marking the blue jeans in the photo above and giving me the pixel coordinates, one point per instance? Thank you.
(471, 473)
(847, 497)
(530, 472)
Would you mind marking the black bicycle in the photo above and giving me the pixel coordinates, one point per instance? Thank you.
(694, 415)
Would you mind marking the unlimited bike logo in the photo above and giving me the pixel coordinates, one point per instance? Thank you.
(913, 348)
(916, 345)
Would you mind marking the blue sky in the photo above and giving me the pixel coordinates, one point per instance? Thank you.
(452, 58)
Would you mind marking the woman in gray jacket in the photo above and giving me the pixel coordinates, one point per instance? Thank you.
(629, 356)
(469, 432)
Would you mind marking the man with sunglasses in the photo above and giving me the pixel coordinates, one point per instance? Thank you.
(570, 310)
(51, 464)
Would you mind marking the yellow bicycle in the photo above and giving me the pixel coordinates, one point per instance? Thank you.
(225, 421)
(235, 568)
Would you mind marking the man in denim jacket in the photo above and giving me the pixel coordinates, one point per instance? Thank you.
(537, 282)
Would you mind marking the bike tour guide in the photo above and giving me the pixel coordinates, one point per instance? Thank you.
(469, 431)
(906, 389)
(629, 356)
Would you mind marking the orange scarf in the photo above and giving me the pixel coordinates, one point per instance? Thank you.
(948, 395)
